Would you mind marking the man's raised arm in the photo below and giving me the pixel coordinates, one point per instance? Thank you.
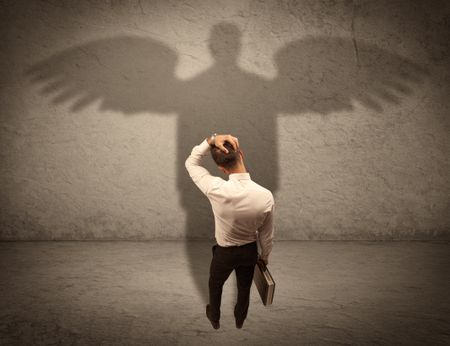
(199, 174)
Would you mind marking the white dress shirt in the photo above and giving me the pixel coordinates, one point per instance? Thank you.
(243, 210)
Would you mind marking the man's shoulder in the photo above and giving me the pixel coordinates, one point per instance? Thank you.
(217, 183)
(264, 191)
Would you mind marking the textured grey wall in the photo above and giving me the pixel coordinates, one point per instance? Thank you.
(341, 107)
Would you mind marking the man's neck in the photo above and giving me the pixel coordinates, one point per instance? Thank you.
(239, 169)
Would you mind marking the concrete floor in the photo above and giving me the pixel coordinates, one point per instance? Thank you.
(144, 293)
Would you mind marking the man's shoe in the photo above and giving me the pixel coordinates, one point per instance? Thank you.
(239, 324)
(215, 324)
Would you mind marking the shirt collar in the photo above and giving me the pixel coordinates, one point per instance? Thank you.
(239, 176)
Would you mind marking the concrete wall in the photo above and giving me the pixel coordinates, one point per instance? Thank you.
(342, 109)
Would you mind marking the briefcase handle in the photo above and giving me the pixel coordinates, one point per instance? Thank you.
(262, 264)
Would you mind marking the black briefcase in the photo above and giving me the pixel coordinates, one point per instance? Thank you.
(264, 282)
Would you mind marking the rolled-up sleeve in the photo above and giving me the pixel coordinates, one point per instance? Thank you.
(199, 174)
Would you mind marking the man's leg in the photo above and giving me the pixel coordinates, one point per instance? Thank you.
(244, 276)
(220, 270)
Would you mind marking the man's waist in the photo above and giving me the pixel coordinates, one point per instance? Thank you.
(238, 245)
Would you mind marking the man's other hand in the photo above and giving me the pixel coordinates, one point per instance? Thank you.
(265, 261)
(221, 139)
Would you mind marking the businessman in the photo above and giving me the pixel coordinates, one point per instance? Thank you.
(243, 215)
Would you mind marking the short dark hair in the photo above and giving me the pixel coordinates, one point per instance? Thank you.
(226, 160)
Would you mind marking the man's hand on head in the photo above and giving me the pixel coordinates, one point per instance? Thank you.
(219, 141)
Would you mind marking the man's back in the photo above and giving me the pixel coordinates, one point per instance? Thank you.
(240, 208)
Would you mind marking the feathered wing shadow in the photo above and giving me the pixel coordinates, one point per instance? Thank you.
(127, 74)
(134, 74)
(326, 74)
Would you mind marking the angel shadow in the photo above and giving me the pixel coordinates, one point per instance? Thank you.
(132, 74)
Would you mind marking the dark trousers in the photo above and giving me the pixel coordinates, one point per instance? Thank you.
(243, 260)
